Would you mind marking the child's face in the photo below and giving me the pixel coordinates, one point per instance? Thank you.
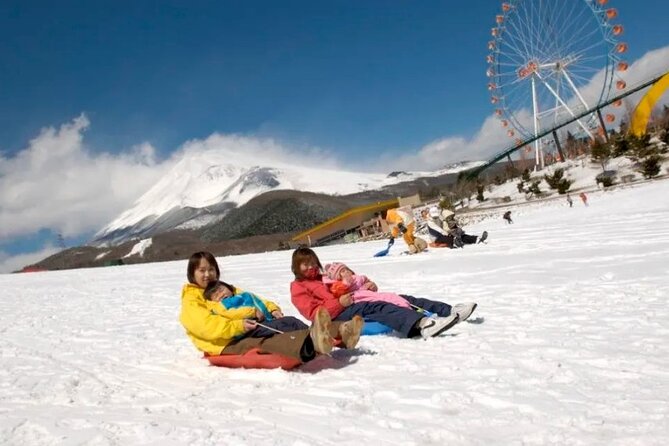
(220, 293)
(309, 269)
(305, 265)
(345, 274)
(204, 273)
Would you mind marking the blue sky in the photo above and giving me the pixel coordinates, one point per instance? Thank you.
(372, 77)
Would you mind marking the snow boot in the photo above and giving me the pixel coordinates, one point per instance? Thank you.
(483, 237)
(320, 332)
(350, 331)
(434, 326)
(420, 244)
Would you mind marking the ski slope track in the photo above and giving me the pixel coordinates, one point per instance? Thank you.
(569, 345)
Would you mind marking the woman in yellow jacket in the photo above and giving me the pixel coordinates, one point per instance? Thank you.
(402, 222)
(215, 330)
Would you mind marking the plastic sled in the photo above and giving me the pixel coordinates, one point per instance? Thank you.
(253, 359)
(439, 245)
(372, 328)
(384, 252)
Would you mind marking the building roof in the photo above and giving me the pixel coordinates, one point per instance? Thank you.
(374, 207)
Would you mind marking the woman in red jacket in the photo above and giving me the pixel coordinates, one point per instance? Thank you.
(309, 293)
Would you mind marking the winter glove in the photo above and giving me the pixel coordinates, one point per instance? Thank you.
(391, 241)
(402, 228)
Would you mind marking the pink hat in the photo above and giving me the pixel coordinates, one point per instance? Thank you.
(332, 270)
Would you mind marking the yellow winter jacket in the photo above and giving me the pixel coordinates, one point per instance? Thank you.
(208, 324)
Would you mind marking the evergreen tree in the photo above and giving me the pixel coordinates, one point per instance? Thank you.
(600, 152)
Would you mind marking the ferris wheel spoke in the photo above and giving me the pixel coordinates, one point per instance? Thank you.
(516, 34)
(585, 38)
(516, 51)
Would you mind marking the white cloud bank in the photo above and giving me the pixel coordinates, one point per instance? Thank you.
(57, 183)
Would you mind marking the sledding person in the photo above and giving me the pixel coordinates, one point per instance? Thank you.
(460, 238)
(217, 330)
(507, 217)
(570, 201)
(309, 293)
(403, 222)
(439, 236)
(341, 280)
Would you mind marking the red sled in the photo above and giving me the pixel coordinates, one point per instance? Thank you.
(439, 245)
(253, 359)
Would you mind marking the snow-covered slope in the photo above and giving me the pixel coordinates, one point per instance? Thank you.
(569, 346)
(222, 179)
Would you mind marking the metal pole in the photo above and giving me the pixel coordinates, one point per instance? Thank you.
(601, 122)
(537, 143)
(510, 161)
(559, 147)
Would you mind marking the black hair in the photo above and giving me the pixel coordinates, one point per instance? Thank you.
(194, 262)
(213, 286)
(299, 256)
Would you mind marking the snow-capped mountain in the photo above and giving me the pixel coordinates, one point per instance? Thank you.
(204, 185)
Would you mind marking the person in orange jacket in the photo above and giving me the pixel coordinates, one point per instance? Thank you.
(401, 221)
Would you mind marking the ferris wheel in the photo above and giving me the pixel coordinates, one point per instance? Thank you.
(550, 60)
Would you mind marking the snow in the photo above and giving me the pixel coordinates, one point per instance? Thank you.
(570, 345)
(139, 248)
(101, 255)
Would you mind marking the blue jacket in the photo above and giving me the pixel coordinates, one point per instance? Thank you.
(246, 299)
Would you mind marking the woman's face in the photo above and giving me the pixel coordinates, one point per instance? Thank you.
(204, 273)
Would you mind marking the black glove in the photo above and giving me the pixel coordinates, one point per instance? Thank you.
(402, 228)
(391, 242)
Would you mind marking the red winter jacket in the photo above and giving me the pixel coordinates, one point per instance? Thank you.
(307, 295)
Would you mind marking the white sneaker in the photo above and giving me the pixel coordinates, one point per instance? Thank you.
(464, 310)
(434, 326)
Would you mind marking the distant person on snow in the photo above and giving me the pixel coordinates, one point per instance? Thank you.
(584, 198)
(341, 280)
(440, 237)
(507, 217)
(402, 222)
(570, 201)
(460, 238)
(309, 294)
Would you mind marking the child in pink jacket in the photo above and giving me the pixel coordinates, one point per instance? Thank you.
(340, 279)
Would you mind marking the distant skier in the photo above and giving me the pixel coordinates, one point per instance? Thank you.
(570, 201)
(584, 198)
(507, 217)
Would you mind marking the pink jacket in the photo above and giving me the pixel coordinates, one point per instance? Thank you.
(360, 294)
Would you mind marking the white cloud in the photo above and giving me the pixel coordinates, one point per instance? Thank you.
(57, 183)
(17, 262)
(245, 150)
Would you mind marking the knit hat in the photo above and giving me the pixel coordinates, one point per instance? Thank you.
(332, 270)
(446, 214)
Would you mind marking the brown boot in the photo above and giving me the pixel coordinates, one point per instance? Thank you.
(320, 332)
(350, 331)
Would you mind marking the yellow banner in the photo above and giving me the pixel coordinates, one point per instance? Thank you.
(645, 107)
